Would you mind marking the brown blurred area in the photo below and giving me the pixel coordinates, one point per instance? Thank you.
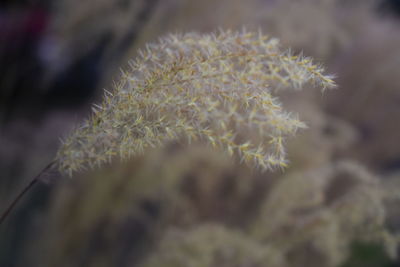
(57, 56)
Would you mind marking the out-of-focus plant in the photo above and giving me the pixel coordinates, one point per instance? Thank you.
(192, 206)
(212, 246)
(321, 28)
(127, 206)
(314, 217)
(366, 101)
(78, 28)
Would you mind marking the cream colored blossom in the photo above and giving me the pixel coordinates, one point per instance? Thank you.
(213, 88)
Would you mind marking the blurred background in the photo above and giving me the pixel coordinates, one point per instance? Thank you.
(56, 57)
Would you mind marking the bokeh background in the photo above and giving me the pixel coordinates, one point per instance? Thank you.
(56, 57)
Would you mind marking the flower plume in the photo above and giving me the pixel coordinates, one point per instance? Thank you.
(213, 88)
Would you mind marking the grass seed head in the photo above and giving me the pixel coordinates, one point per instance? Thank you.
(213, 88)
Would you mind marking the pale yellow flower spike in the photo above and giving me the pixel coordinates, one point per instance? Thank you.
(214, 88)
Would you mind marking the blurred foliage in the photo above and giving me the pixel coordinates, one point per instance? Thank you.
(367, 255)
(150, 211)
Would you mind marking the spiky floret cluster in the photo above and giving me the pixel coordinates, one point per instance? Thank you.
(214, 88)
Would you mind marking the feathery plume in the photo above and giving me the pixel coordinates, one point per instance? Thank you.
(211, 88)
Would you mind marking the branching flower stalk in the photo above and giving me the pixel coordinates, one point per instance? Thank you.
(214, 88)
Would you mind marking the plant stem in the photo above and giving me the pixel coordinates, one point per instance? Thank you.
(23, 192)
